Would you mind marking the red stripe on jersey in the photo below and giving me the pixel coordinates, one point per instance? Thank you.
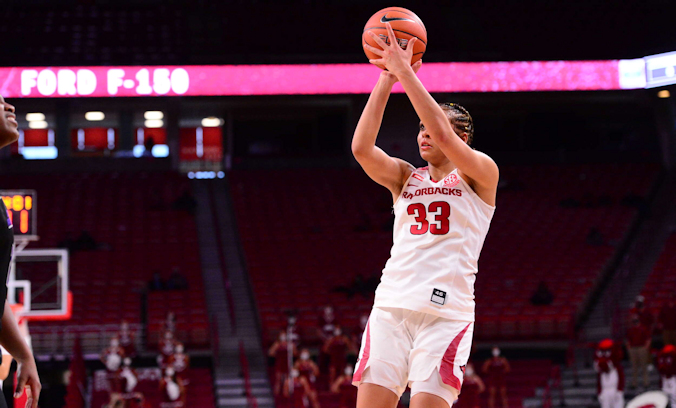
(365, 355)
(448, 361)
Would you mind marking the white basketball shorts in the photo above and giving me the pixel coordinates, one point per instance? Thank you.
(403, 347)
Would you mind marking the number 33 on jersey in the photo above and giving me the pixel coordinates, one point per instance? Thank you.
(436, 223)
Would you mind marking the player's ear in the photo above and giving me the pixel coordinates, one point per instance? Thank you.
(464, 136)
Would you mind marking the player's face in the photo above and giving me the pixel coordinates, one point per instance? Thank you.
(428, 150)
(9, 128)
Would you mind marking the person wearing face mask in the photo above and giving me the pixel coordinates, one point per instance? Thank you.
(472, 386)
(180, 362)
(173, 392)
(497, 368)
(127, 339)
(128, 377)
(327, 322)
(280, 351)
(337, 348)
(308, 370)
(343, 386)
(297, 390)
(112, 357)
(644, 314)
(167, 348)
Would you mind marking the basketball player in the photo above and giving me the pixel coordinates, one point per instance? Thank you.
(420, 329)
(10, 336)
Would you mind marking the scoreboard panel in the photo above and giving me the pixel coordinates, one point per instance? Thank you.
(22, 211)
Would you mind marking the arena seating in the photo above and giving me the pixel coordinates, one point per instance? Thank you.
(93, 35)
(131, 217)
(661, 283)
(303, 228)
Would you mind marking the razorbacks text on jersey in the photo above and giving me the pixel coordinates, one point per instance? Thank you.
(439, 230)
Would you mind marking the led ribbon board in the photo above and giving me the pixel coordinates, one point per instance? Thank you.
(325, 79)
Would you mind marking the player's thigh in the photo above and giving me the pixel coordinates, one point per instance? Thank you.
(433, 393)
(383, 358)
(442, 347)
(375, 396)
(425, 400)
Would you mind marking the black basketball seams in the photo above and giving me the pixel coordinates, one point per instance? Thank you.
(393, 29)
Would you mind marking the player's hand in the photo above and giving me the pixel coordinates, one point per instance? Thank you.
(394, 58)
(28, 379)
(387, 75)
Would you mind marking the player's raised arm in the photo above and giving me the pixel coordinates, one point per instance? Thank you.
(387, 171)
(477, 166)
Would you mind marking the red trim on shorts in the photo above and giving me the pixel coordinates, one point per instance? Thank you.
(365, 355)
(448, 361)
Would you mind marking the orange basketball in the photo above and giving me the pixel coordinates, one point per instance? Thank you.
(405, 25)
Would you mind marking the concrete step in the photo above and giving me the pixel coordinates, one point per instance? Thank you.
(239, 381)
(240, 391)
(242, 401)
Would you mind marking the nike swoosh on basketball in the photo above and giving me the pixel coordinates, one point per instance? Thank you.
(385, 19)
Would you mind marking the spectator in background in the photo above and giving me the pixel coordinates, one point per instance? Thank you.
(542, 296)
(309, 370)
(497, 368)
(185, 202)
(666, 365)
(327, 322)
(666, 321)
(127, 340)
(172, 390)
(343, 386)
(86, 242)
(177, 281)
(638, 343)
(167, 347)
(643, 313)
(280, 351)
(358, 334)
(112, 357)
(180, 362)
(472, 386)
(128, 376)
(298, 390)
(337, 348)
(156, 282)
(170, 322)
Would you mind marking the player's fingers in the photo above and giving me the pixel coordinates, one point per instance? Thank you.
(416, 66)
(377, 61)
(20, 385)
(390, 34)
(29, 398)
(412, 41)
(35, 392)
(374, 50)
(378, 40)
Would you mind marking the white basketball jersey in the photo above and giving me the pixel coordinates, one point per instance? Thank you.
(439, 229)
